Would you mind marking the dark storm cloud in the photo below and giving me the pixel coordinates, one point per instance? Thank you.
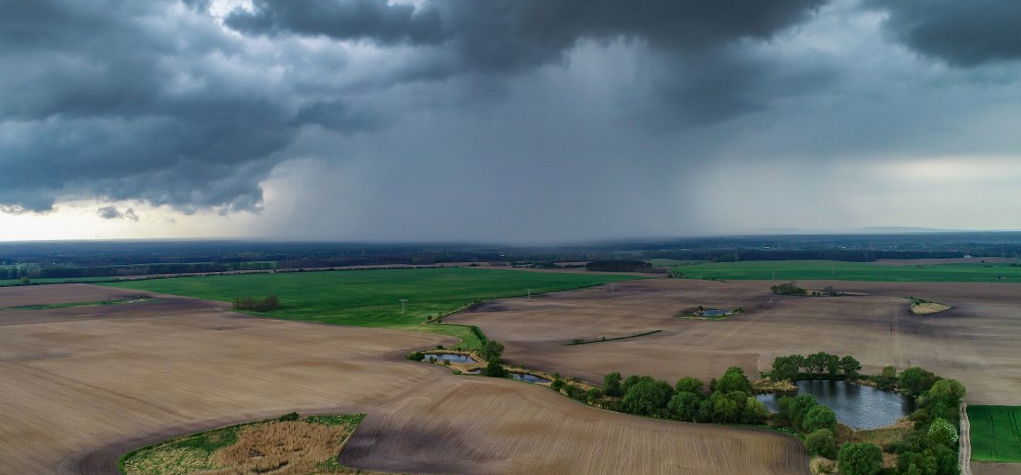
(131, 100)
(963, 33)
(507, 35)
(695, 41)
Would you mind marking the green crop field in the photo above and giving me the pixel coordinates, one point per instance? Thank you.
(836, 270)
(371, 298)
(995, 433)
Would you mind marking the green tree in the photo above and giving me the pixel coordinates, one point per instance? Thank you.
(942, 432)
(495, 370)
(690, 385)
(819, 417)
(859, 458)
(724, 409)
(754, 412)
(916, 463)
(850, 367)
(794, 409)
(24, 280)
(785, 367)
(950, 390)
(887, 379)
(822, 442)
(832, 364)
(647, 396)
(491, 351)
(816, 362)
(611, 385)
(916, 381)
(683, 406)
(946, 460)
(733, 380)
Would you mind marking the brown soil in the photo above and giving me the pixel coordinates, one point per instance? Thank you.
(84, 385)
(978, 341)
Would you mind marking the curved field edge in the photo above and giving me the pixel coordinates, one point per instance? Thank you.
(197, 451)
(995, 433)
(372, 298)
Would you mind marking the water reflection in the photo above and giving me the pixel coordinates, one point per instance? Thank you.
(860, 407)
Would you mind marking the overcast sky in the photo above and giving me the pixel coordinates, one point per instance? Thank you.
(505, 120)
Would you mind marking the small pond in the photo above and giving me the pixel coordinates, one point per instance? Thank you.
(451, 357)
(860, 407)
(528, 378)
(716, 312)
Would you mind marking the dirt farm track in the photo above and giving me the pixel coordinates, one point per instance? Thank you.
(81, 385)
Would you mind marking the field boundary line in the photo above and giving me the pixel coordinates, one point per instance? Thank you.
(964, 446)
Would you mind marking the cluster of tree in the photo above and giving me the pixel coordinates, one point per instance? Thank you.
(814, 366)
(814, 421)
(729, 399)
(619, 265)
(788, 288)
(492, 353)
(271, 302)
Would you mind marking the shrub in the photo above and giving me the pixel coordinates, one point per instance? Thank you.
(611, 385)
(494, 370)
(251, 303)
(647, 396)
(942, 432)
(859, 458)
(491, 351)
(916, 381)
(788, 288)
(819, 417)
(683, 406)
(690, 385)
(754, 411)
(733, 380)
(822, 442)
(416, 356)
(290, 416)
(557, 384)
(887, 379)
(576, 392)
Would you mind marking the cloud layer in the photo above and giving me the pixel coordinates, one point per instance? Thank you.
(497, 119)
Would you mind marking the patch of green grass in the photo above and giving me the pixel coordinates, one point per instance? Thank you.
(336, 420)
(371, 298)
(995, 433)
(861, 271)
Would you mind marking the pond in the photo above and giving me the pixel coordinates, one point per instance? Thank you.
(529, 378)
(857, 406)
(716, 312)
(451, 357)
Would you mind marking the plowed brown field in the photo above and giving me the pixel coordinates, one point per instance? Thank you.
(82, 385)
(978, 341)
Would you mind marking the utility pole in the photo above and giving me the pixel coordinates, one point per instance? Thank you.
(529, 295)
(612, 284)
(219, 314)
(403, 301)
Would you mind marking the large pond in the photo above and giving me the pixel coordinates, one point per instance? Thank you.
(860, 407)
(451, 357)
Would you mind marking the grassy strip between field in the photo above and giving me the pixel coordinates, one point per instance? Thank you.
(995, 433)
(50, 306)
(858, 271)
(310, 444)
(579, 341)
(372, 298)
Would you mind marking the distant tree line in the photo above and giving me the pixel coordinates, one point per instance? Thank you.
(819, 365)
(619, 265)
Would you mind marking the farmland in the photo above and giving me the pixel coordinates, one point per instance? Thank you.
(371, 298)
(95, 382)
(977, 341)
(995, 433)
(997, 271)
